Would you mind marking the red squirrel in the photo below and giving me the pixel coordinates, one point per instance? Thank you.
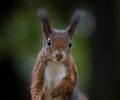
(55, 74)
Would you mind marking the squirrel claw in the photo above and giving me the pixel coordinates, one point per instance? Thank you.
(56, 92)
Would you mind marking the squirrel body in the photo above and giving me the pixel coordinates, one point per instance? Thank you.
(55, 74)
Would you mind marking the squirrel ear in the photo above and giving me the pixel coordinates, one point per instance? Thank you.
(76, 19)
(44, 18)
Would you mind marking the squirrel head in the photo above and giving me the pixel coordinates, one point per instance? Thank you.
(57, 43)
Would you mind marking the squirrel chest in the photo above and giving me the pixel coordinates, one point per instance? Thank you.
(54, 73)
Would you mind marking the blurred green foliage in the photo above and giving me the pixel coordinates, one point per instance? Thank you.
(21, 36)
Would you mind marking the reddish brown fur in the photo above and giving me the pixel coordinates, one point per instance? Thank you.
(67, 84)
(60, 40)
(38, 76)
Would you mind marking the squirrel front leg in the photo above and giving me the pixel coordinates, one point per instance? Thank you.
(38, 77)
(69, 82)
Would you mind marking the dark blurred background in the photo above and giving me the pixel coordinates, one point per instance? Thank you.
(96, 45)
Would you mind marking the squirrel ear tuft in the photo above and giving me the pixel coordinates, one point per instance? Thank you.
(44, 18)
(76, 19)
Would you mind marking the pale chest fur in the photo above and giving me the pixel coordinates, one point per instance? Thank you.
(54, 73)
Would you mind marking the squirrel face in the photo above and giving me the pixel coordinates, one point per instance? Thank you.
(58, 45)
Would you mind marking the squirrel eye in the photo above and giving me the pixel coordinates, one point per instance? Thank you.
(48, 42)
(70, 44)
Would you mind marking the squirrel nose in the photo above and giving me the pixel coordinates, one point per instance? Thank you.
(59, 55)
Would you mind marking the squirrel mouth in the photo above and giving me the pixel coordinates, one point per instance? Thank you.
(58, 60)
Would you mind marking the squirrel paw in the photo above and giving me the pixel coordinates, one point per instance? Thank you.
(57, 91)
